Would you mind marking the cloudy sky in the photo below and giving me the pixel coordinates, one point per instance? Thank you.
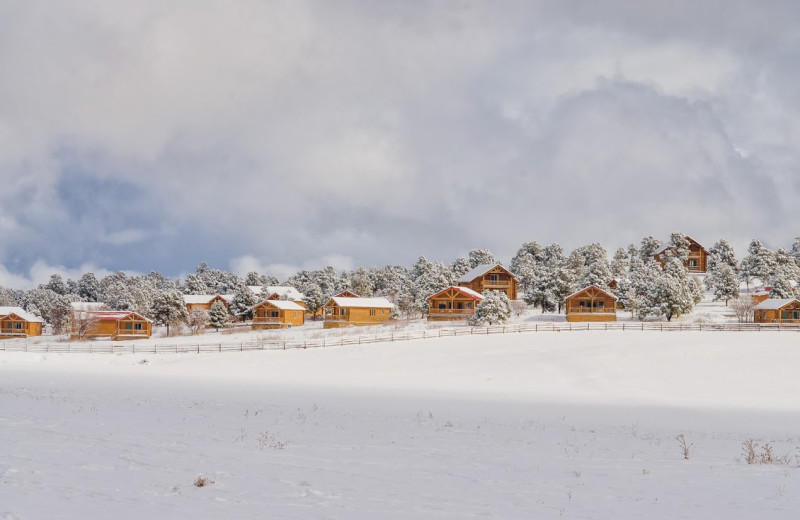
(269, 135)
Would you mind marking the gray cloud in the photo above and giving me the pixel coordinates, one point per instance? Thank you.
(161, 134)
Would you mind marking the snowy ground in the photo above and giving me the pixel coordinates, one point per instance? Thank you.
(557, 425)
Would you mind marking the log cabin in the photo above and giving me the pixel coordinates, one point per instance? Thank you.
(591, 304)
(490, 277)
(15, 322)
(277, 314)
(117, 325)
(205, 301)
(342, 311)
(698, 256)
(777, 310)
(453, 303)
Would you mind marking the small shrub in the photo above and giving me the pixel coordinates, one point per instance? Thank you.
(685, 448)
(202, 481)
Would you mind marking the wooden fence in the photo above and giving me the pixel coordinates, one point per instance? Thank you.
(241, 346)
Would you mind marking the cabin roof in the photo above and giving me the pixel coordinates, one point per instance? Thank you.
(22, 313)
(204, 298)
(774, 303)
(115, 315)
(590, 287)
(282, 290)
(480, 271)
(466, 291)
(286, 305)
(371, 303)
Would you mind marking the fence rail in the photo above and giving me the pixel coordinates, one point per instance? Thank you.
(242, 346)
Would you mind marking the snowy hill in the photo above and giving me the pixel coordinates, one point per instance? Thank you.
(556, 425)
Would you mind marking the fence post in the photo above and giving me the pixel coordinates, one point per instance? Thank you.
(198, 348)
(220, 347)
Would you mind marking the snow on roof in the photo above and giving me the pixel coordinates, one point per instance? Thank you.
(478, 271)
(204, 298)
(22, 313)
(284, 291)
(661, 249)
(377, 303)
(286, 305)
(589, 287)
(114, 315)
(775, 303)
(463, 290)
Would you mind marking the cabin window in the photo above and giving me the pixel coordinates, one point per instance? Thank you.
(692, 263)
(494, 277)
(442, 305)
(601, 304)
(273, 314)
(341, 312)
(138, 326)
(372, 312)
(18, 325)
(582, 303)
(459, 305)
(469, 305)
(763, 315)
(128, 325)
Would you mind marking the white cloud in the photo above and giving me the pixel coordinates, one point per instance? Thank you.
(292, 131)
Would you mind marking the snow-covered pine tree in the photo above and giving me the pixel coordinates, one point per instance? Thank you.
(88, 287)
(648, 246)
(313, 298)
(460, 267)
(218, 316)
(673, 293)
(529, 251)
(620, 264)
(194, 284)
(722, 281)
(495, 308)
(722, 252)
(480, 257)
(243, 301)
(795, 252)
(760, 262)
(168, 309)
(56, 284)
(361, 282)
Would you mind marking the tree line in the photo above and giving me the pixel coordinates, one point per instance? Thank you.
(546, 275)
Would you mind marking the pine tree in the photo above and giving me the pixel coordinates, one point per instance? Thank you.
(722, 281)
(218, 316)
(243, 301)
(495, 308)
(460, 267)
(313, 298)
(673, 293)
(648, 246)
(168, 309)
(722, 252)
(88, 287)
(480, 257)
(620, 264)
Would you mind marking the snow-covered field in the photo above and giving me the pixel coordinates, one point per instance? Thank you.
(558, 425)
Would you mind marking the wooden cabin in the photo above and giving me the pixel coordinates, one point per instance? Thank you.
(761, 294)
(341, 311)
(777, 310)
(277, 314)
(117, 325)
(591, 304)
(698, 256)
(453, 303)
(15, 322)
(490, 277)
(205, 301)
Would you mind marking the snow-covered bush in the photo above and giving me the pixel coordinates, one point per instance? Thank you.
(493, 309)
